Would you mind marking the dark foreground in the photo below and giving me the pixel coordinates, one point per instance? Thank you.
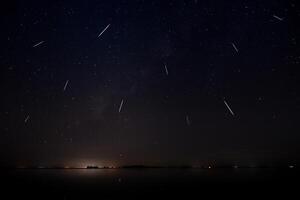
(149, 183)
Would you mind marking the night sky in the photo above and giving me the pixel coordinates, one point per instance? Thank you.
(149, 82)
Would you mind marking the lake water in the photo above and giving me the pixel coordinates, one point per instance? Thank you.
(141, 183)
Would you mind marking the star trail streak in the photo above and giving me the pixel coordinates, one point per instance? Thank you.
(104, 30)
(121, 105)
(66, 84)
(38, 44)
(228, 108)
(235, 48)
(166, 70)
(188, 122)
(26, 119)
(279, 18)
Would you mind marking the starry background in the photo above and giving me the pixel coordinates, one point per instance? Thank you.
(174, 118)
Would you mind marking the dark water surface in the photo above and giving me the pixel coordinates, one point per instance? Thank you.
(153, 183)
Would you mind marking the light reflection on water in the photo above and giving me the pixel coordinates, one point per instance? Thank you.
(146, 173)
(91, 172)
(73, 182)
(111, 178)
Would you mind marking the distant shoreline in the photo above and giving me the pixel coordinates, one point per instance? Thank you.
(152, 167)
